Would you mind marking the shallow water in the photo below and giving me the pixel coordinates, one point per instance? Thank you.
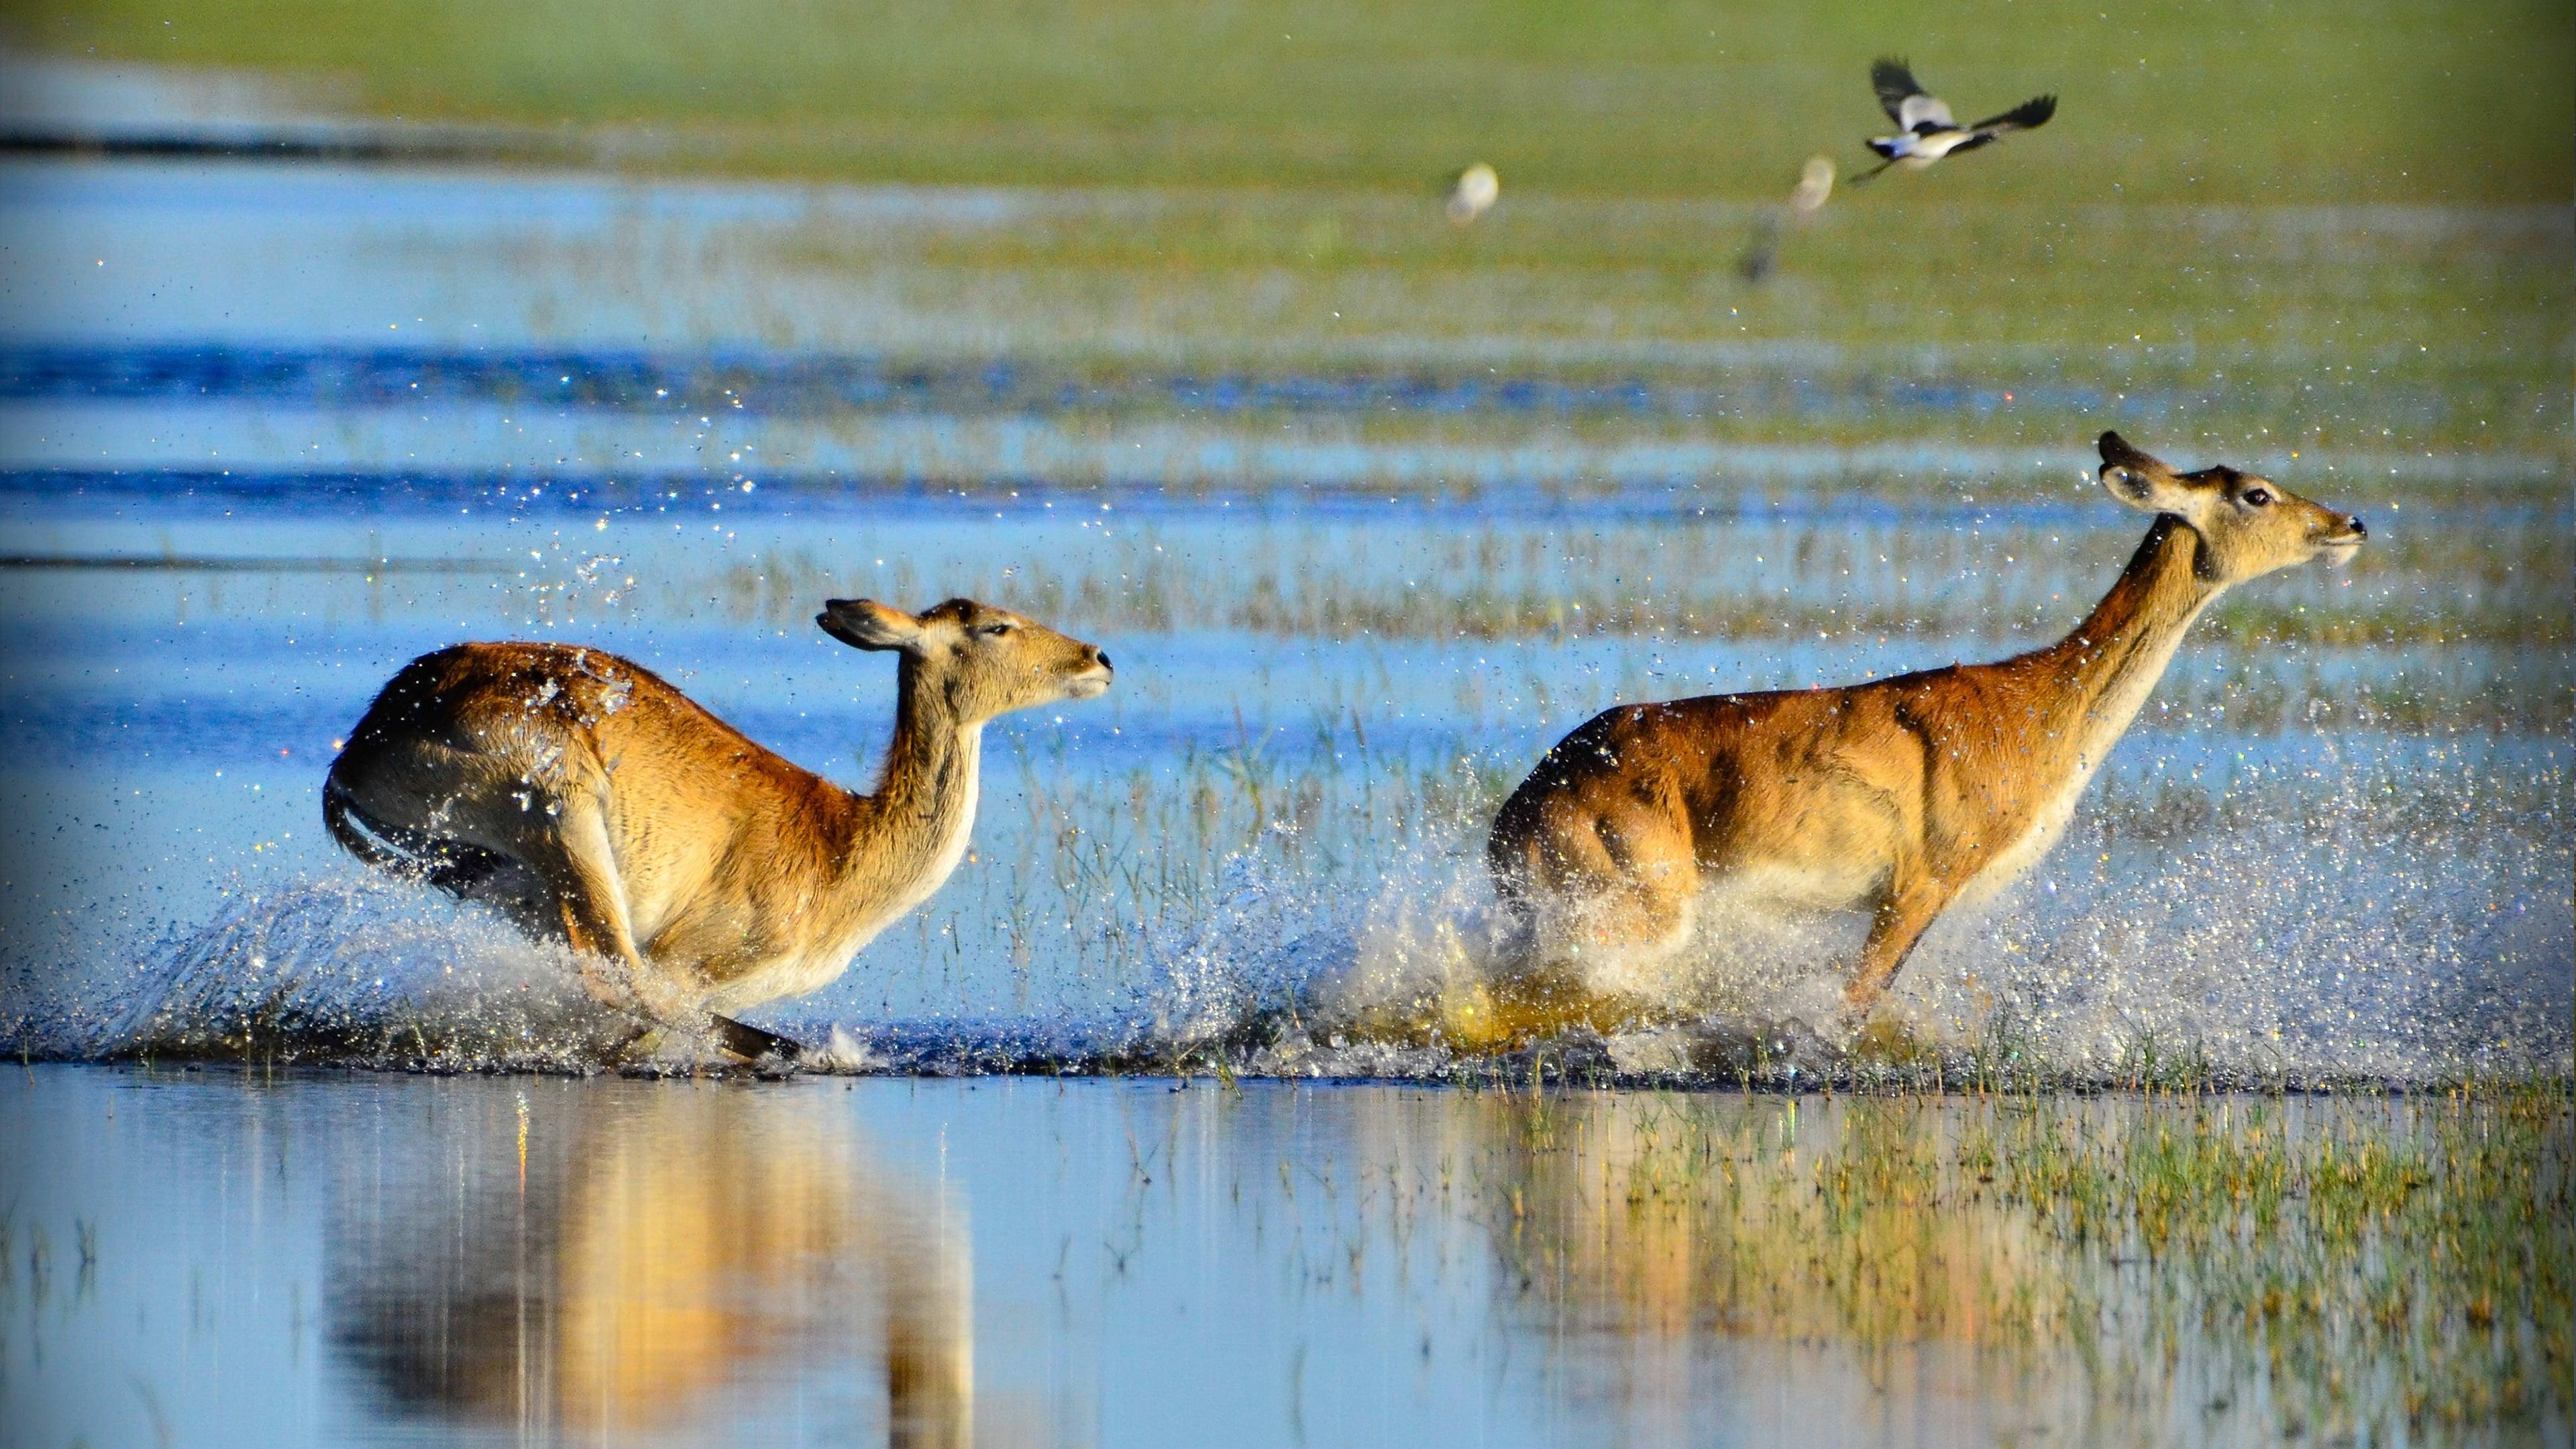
(265, 434)
(209, 1258)
(1285, 791)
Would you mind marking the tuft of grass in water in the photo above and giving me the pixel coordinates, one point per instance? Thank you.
(1143, 861)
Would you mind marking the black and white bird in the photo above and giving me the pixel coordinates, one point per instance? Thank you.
(1928, 132)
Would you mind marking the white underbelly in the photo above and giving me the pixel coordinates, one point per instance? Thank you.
(796, 973)
(817, 966)
(1804, 887)
(2047, 825)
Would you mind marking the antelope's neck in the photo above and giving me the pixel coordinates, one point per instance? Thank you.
(2106, 669)
(924, 807)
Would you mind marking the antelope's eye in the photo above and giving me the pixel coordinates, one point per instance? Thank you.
(996, 630)
(2258, 497)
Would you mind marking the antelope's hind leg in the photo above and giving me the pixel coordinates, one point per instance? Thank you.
(1618, 891)
(423, 850)
(567, 847)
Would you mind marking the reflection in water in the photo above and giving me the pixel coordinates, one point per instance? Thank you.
(549, 1261)
(594, 1266)
(1658, 1241)
(2142, 1269)
(1814, 1268)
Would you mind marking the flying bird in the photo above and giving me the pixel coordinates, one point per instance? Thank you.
(1476, 191)
(1815, 184)
(1929, 133)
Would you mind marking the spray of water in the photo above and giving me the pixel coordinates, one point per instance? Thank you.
(357, 971)
(2298, 940)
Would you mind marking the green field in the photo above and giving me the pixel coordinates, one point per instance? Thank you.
(2164, 102)
(2327, 227)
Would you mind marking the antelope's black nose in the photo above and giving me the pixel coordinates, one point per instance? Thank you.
(1101, 658)
(2359, 528)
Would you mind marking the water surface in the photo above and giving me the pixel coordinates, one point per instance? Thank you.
(221, 1257)
(267, 433)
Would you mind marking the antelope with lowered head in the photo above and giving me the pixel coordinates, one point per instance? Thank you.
(1900, 795)
(697, 873)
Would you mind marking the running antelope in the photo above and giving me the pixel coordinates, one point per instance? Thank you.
(696, 872)
(1900, 795)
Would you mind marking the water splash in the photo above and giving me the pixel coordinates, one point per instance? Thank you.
(361, 972)
(2298, 941)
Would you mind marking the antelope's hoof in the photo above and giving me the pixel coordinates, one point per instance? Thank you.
(1886, 1041)
(753, 1044)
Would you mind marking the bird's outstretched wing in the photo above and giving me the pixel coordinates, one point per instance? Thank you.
(1894, 81)
(1903, 98)
(2029, 115)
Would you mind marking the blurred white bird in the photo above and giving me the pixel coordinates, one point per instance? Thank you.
(1477, 189)
(1930, 133)
(1815, 184)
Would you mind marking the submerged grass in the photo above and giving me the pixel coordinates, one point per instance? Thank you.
(2470, 582)
(2445, 629)
(2220, 1268)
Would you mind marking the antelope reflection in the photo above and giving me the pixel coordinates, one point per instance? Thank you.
(1664, 1217)
(615, 1263)
(1658, 1242)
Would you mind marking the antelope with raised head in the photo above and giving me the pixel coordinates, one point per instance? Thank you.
(1900, 795)
(695, 872)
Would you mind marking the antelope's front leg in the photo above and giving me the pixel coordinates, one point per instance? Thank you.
(1913, 900)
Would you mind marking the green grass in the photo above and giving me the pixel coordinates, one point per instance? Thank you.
(2291, 225)
(2164, 102)
(2339, 328)
(2234, 1269)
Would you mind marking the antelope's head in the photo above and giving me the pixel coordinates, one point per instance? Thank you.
(2248, 526)
(981, 661)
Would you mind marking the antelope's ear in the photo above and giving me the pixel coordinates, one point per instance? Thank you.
(867, 624)
(2142, 480)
